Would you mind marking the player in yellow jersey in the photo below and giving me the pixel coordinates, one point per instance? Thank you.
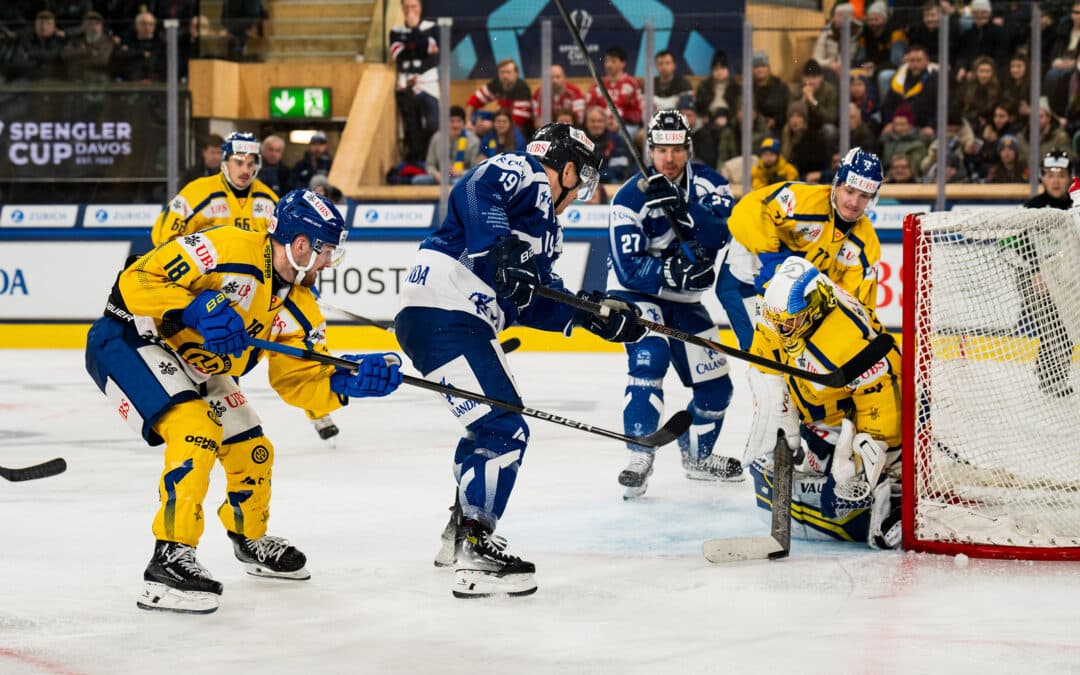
(846, 440)
(167, 353)
(825, 224)
(233, 197)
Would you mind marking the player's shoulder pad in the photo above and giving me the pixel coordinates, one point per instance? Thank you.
(706, 176)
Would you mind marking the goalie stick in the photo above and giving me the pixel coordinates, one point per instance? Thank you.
(507, 345)
(848, 372)
(43, 470)
(778, 544)
(670, 431)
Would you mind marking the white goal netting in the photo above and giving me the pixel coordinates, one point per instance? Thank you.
(996, 453)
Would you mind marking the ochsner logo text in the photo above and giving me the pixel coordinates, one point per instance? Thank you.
(45, 143)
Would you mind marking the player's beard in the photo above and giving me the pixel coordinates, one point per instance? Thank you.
(309, 279)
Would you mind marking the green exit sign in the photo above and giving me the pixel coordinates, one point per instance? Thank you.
(299, 101)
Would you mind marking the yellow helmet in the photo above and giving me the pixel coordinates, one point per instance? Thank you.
(796, 299)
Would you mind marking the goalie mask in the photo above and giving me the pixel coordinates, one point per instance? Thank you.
(558, 143)
(314, 216)
(796, 300)
(240, 143)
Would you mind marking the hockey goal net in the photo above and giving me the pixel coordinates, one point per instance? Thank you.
(991, 422)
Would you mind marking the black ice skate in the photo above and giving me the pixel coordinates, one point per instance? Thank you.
(635, 477)
(325, 427)
(452, 535)
(268, 556)
(484, 569)
(714, 467)
(175, 581)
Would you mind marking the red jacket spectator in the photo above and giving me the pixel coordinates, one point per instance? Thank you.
(564, 95)
(622, 88)
(509, 91)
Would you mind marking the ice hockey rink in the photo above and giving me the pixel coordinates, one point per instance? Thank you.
(623, 587)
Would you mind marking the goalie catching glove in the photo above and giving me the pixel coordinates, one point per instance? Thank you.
(376, 375)
(516, 274)
(221, 328)
(620, 324)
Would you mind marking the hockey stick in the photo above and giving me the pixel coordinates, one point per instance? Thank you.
(778, 544)
(671, 430)
(507, 345)
(848, 372)
(631, 147)
(43, 470)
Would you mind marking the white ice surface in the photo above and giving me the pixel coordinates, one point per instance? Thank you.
(623, 586)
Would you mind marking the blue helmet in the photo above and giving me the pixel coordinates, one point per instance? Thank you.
(313, 215)
(861, 170)
(239, 143)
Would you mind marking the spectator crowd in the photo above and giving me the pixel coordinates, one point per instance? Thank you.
(892, 111)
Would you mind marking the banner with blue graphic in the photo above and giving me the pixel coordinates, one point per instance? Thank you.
(488, 31)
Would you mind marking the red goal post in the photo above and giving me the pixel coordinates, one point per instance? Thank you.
(991, 426)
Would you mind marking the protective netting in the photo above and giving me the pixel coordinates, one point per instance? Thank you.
(997, 431)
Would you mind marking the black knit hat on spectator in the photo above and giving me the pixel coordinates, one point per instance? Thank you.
(812, 67)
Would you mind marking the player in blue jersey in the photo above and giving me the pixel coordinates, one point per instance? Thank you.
(473, 277)
(650, 270)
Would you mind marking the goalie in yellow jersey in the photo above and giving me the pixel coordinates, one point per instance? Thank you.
(167, 353)
(846, 441)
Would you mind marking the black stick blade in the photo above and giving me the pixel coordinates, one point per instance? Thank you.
(43, 470)
(510, 344)
(671, 430)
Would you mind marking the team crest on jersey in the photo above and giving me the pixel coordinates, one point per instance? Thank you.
(482, 302)
(263, 208)
(240, 289)
(201, 250)
(786, 199)
(180, 206)
(809, 232)
(205, 362)
(849, 254)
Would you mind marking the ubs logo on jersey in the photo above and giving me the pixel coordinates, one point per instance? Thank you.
(849, 254)
(219, 208)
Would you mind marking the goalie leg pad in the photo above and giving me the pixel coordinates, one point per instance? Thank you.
(809, 519)
(885, 526)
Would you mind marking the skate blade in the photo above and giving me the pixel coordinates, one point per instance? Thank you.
(632, 493)
(257, 570)
(478, 584)
(159, 597)
(706, 476)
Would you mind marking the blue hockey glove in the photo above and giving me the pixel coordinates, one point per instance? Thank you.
(619, 325)
(376, 375)
(663, 194)
(221, 327)
(680, 274)
(516, 274)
